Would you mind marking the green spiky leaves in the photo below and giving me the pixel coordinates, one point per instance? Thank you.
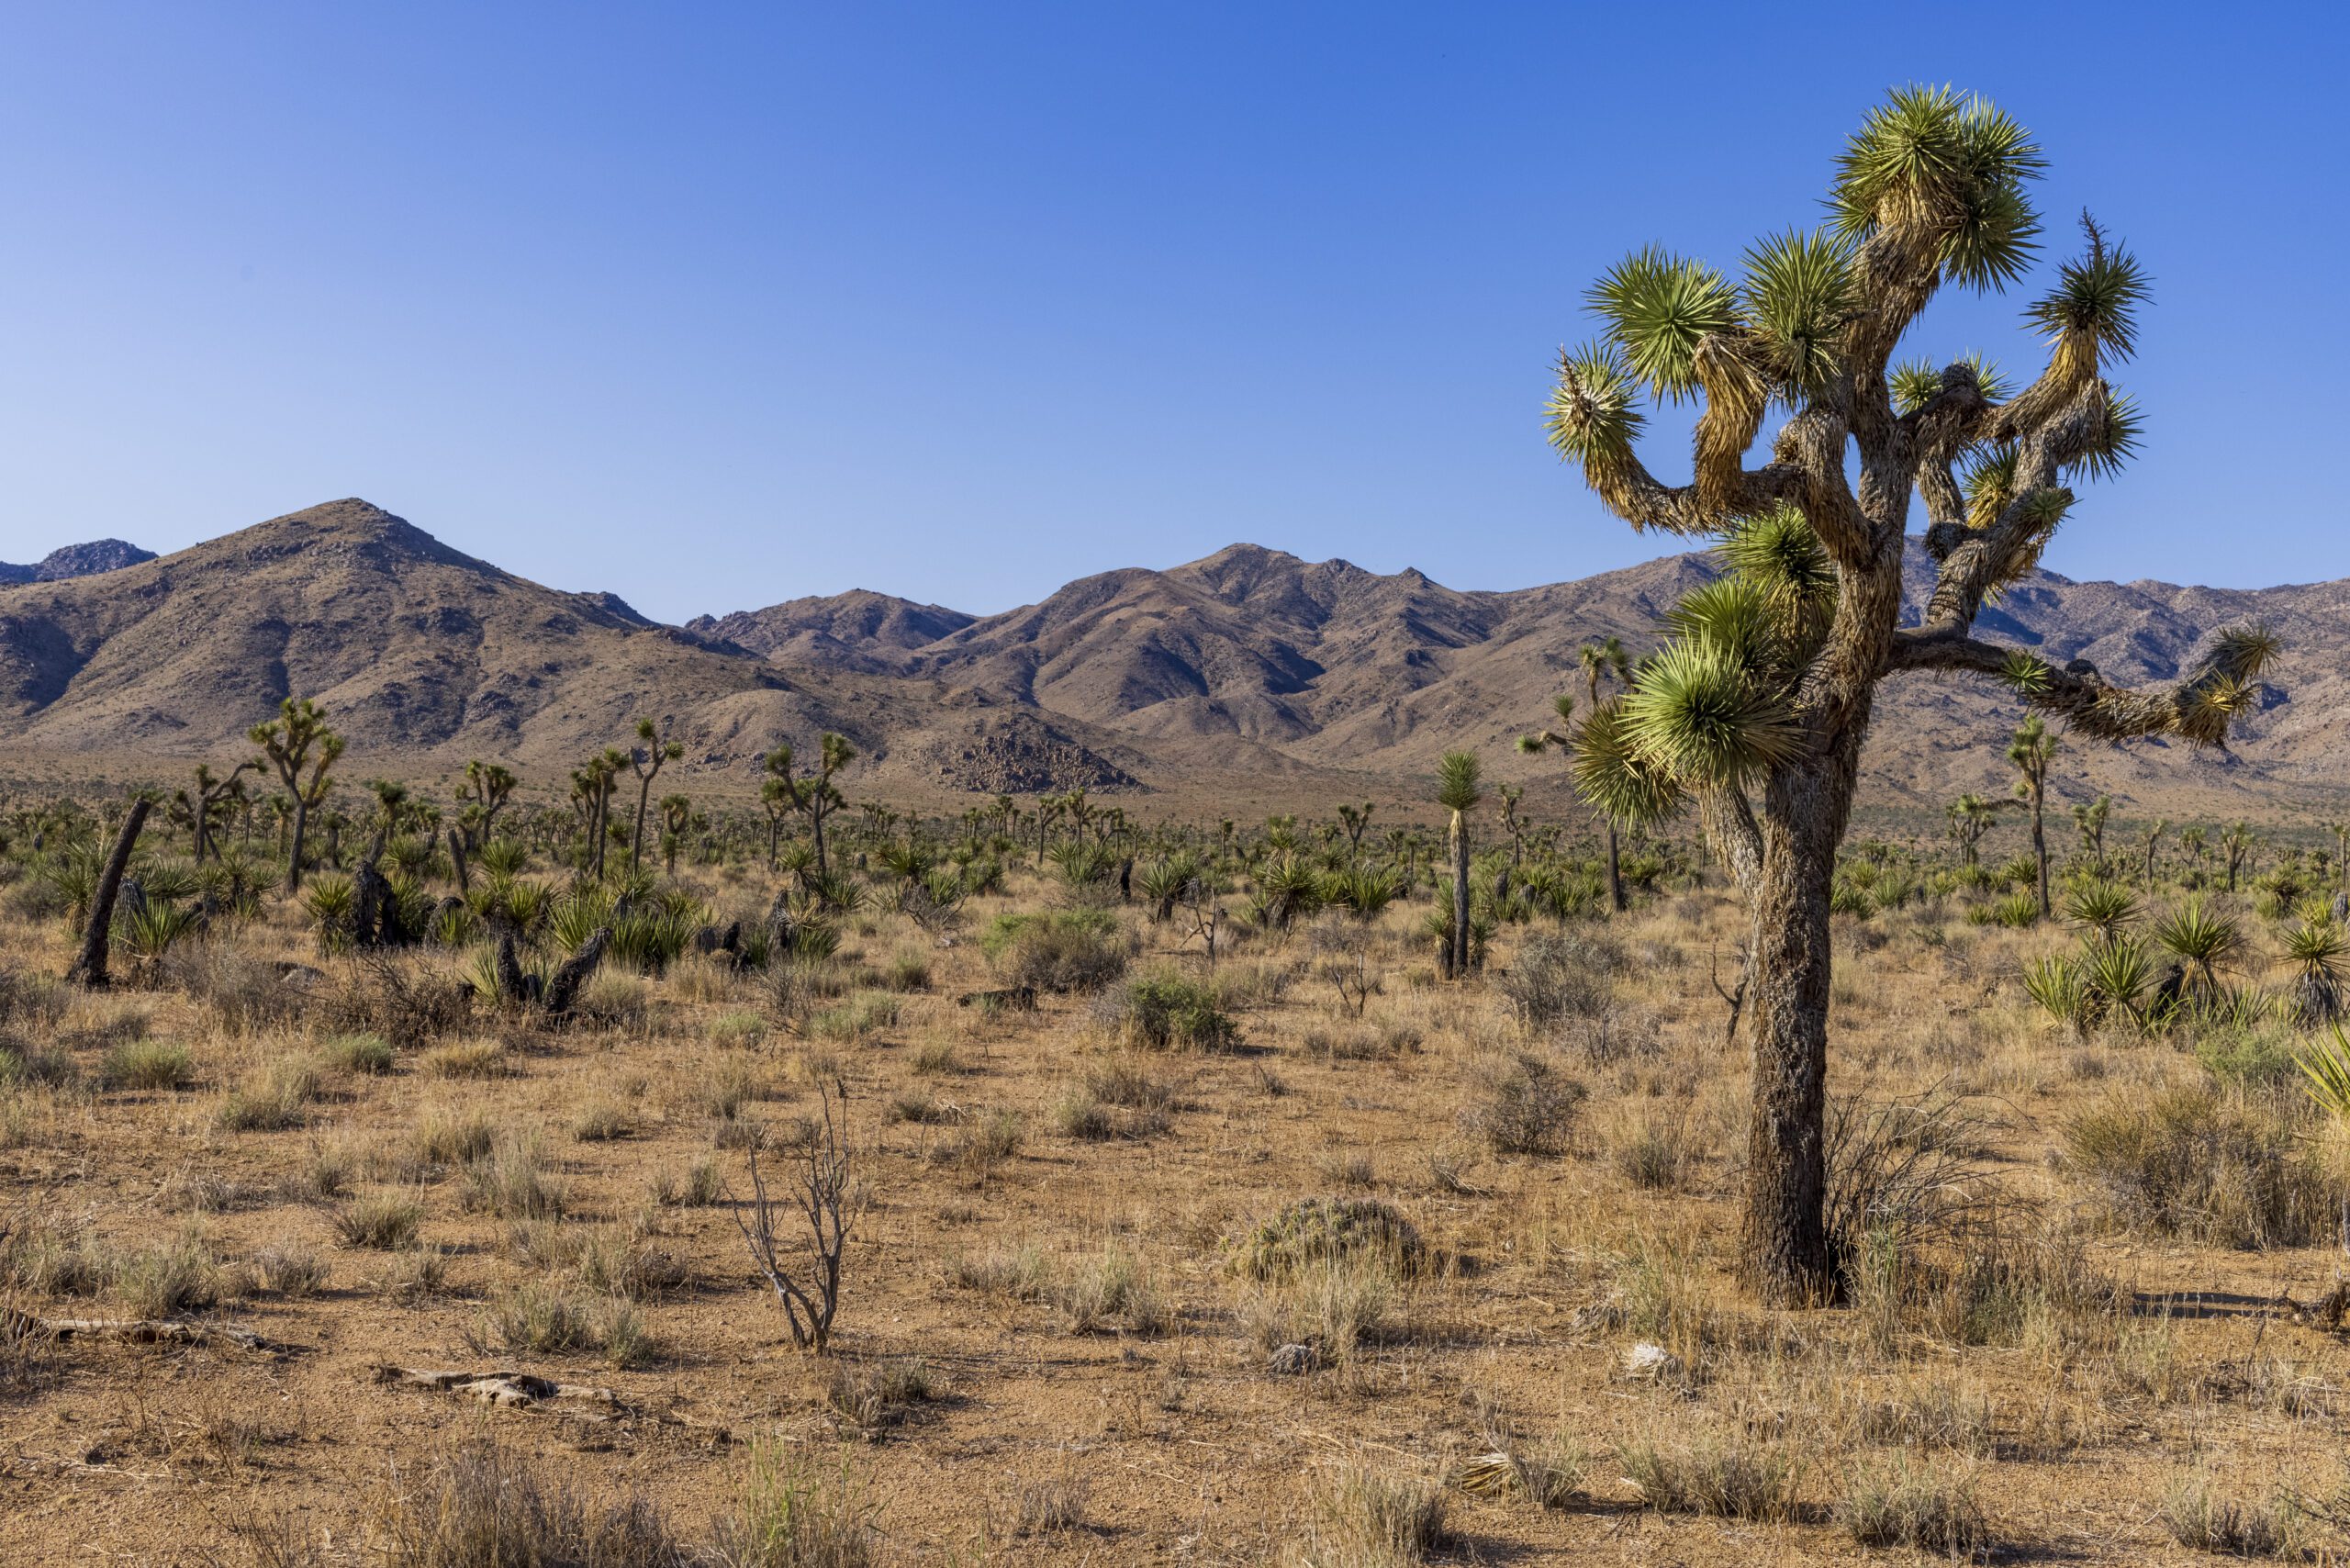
(2025, 673)
(1615, 777)
(1915, 383)
(1659, 307)
(1593, 415)
(1699, 716)
(2092, 312)
(1947, 171)
(1799, 296)
(2112, 439)
(1458, 786)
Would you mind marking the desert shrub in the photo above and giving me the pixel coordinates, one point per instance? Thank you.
(449, 1135)
(600, 1120)
(180, 1275)
(614, 997)
(483, 1505)
(1556, 976)
(1329, 1308)
(540, 1319)
(387, 1222)
(368, 1054)
(1166, 1011)
(276, 1097)
(1057, 950)
(2222, 1168)
(861, 1017)
(1730, 1476)
(1919, 1506)
(2258, 1057)
(743, 1029)
(870, 1396)
(1323, 1230)
(147, 1064)
(1379, 1516)
(2199, 1518)
(791, 1514)
(290, 1269)
(1529, 1107)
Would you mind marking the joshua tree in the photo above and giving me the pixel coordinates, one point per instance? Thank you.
(646, 761)
(298, 739)
(2031, 748)
(1354, 820)
(1600, 661)
(775, 798)
(211, 801)
(2090, 820)
(2192, 840)
(1512, 823)
(391, 805)
(814, 795)
(592, 788)
(1971, 817)
(1457, 793)
(2153, 842)
(1762, 699)
(676, 812)
(2236, 845)
(483, 795)
(90, 967)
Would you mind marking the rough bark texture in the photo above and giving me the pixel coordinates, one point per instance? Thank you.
(1458, 840)
(563, 986)
(90, 968)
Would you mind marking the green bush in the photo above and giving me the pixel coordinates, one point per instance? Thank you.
(1060, 950)
(1167, 1011)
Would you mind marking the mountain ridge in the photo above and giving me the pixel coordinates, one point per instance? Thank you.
(1249, 662)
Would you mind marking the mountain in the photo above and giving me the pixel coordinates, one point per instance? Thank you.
(1250, 675)
(77, 561)
(1332, 668)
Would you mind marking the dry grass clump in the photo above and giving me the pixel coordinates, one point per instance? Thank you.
(792, 1514)
(2199, 1517)
(369, 1054)
(511, 1182)
(1057, 950)
(277, 1097)
(1902, 1503)
(483, 1058)
(1373, 1517)
(868, 1398)
(1558, 976)
(2227, 1171)
(289, 1269)
(385, 1222)
(183, 1274)
(1730, 1476)
(483, 1505)
(1314, 1231)
(148, 1065)
(538, 1318)
(601, 1120)
(453, 1135)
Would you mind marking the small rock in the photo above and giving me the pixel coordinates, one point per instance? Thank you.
(1651, 1363)
(1293, 1361)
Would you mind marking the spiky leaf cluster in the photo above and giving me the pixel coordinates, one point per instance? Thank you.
(1945, 170)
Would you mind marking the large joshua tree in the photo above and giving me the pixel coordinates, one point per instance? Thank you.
(1755, 707)
(298, 739)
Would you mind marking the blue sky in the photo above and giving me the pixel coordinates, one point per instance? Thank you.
(716, 305)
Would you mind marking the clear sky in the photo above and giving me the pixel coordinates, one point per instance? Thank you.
(715, 305)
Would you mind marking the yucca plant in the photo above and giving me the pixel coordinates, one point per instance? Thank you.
(2055, 985)
(148, 931)
(2199, 940)
(2117, 973)
(332, 903)
(2325, 1066)
(2102, 906)
(1458, 792)
(1163, 883)
(2320, 953)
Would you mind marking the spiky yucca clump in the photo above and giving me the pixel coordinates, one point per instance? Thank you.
(1313, 1231)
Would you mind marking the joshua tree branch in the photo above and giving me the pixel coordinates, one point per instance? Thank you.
(2078, 695)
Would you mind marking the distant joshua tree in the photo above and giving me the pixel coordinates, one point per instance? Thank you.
(646, 761)
(1756, 708)
(211, 802)
(295, 740)
(676, 812)
(2031, 748)
(592, 788)
(2090, 818)
(1457, 791)
(813, 796)
(1971, 817)
(484, 794)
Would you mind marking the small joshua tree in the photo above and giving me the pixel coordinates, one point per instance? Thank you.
(1458, 792)
(1755, 709)
(484, 794)
(592, 788)
(296, 740)
(676, 813)
(2031, 748)
(2090, 818)
(646, 761)
(1971, 817)
(814, 795)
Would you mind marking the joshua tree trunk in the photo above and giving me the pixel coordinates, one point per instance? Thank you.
(816, 833)
(1458, 838)
(294, 861)
(90, 968)
(1615, 873)
(2040, 844)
